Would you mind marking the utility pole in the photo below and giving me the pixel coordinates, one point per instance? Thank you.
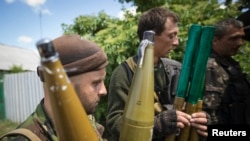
(41, 26)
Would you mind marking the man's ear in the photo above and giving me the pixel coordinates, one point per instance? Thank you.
(215, 39)
(40, 73)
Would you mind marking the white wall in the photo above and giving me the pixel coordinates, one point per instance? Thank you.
(22, 92)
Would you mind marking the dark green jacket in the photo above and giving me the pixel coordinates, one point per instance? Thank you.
(119, 87)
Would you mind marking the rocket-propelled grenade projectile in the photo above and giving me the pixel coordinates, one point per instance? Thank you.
(138, 116)
(69, 117)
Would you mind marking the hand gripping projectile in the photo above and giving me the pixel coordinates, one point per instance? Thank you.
(69, 117)
(190, 86)
(138, 116)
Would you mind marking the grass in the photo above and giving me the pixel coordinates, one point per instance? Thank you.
(6, 125)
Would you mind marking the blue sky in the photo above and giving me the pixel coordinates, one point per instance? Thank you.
(21, 25)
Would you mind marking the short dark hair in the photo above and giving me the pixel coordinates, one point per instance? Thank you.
(221, 27)
(154, 19)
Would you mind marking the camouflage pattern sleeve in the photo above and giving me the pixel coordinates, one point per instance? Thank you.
(39, 124)
(215, 83)
(98, 127)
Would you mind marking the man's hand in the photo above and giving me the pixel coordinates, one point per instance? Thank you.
(199, 121)
(183, 119)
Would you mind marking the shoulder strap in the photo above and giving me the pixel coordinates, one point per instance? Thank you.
(130, 67)
(128, 70)
(21, 131)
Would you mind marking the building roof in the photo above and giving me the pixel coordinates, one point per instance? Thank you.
(28, 59)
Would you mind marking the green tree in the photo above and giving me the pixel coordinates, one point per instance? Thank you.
(118, 37)
(143, 5)
(16, 69)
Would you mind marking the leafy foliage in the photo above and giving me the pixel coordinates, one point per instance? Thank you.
(16, 69)
(143, 5)
(118, 37)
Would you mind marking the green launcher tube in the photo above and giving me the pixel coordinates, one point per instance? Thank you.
(200, 64)
(197, 82)
(189, 57)
(187, 66)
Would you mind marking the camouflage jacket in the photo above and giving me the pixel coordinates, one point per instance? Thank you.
(227, 91)
(40, 124)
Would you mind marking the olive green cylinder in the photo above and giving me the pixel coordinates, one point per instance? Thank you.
(138, 116)
(69, 116)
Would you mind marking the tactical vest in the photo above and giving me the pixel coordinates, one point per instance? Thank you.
(235, 104)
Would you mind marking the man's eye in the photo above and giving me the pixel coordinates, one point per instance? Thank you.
(172, 36)
(97, 84)
(235, 38)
